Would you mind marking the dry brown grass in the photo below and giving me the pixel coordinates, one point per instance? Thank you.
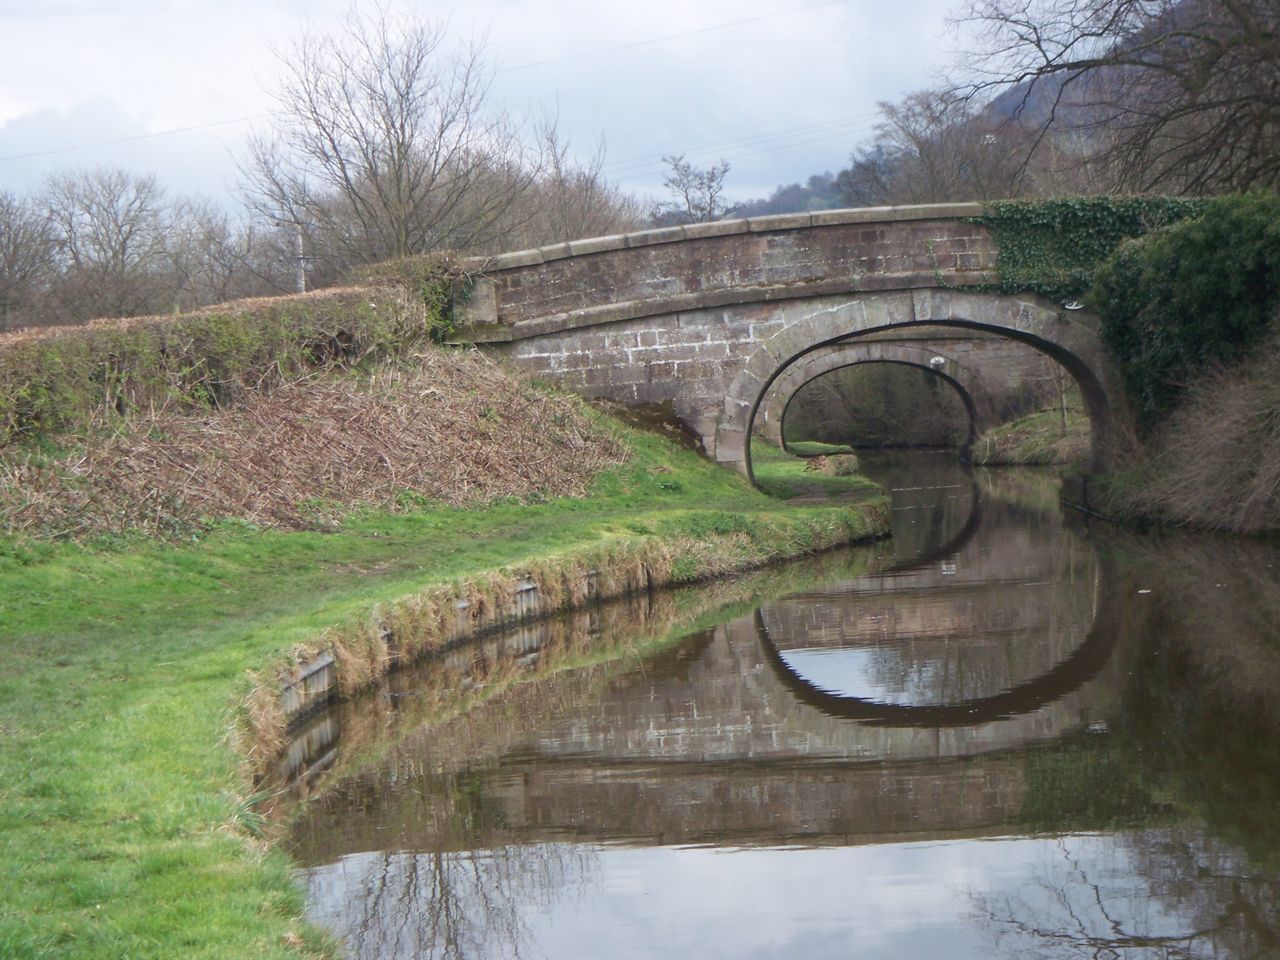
(455, 429)
(1216, 463)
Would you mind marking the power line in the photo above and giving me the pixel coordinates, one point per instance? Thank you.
(672, 36)
(523, 66)
(835, 127)
(141, 136)
(657, 171)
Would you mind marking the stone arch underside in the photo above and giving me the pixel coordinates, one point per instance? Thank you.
(1069, 338)
(784, 389)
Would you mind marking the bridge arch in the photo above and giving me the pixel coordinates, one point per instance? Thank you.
(819, 324)
(837, 356)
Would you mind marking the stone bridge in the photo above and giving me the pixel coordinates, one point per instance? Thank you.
(701, 320)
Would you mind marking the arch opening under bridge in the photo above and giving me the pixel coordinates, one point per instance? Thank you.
(1029, 321)
(789, 385)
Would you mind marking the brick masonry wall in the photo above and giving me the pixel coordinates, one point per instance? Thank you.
(686, 360)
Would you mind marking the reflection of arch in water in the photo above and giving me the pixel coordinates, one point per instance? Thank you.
(838, 356)
(954, 545)
(1079, 667)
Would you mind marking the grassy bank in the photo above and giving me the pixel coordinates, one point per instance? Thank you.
(1035, 440)
(816, 448)
(824, 475)
(126, 828)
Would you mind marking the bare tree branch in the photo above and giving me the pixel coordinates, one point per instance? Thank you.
(1176, 95)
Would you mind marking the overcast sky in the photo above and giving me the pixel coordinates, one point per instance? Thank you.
(780, 88)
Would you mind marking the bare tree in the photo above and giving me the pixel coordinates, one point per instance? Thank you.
(1180, 95)
(26, 256)
(931, 148)
(212, 258)
(697, 192)
(385, 144)
(574, 199)
(108, 228)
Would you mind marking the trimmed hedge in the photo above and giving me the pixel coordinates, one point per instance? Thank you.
(69, 379)
(1182, 300)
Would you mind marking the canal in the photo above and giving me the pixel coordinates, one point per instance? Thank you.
(1005, 732)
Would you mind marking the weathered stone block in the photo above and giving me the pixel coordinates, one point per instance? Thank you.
(680, 353)
(651, 237)
(715, 350)
(517, 258)
(581, 248)
(718, 228)
(784, 221)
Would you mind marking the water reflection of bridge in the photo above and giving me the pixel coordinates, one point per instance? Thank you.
(1002, 644)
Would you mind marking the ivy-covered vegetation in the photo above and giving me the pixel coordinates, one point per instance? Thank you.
(1181, 300)
(1054, 247)
(68, 379)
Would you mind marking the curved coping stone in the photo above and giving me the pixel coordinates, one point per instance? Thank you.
(720, 228)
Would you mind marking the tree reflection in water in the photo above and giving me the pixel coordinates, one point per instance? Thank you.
(447, 904)
(1146, 894)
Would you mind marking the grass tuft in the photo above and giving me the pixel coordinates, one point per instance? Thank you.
(1035, 440)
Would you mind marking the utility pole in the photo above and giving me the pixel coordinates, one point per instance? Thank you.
(302, 260)
(300, 268)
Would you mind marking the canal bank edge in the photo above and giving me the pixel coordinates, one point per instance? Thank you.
(352, 657)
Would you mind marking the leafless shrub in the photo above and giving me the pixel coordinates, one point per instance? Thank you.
(569, 200)
(1217, 461)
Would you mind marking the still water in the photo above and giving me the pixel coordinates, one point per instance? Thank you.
(1003, 733)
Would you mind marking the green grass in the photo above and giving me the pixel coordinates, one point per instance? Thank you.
(816, 448)
(1036, 439)
(124, 828)
(782, 475)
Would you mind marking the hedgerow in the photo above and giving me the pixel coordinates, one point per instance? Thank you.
(72, 378)
(1180, 301)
